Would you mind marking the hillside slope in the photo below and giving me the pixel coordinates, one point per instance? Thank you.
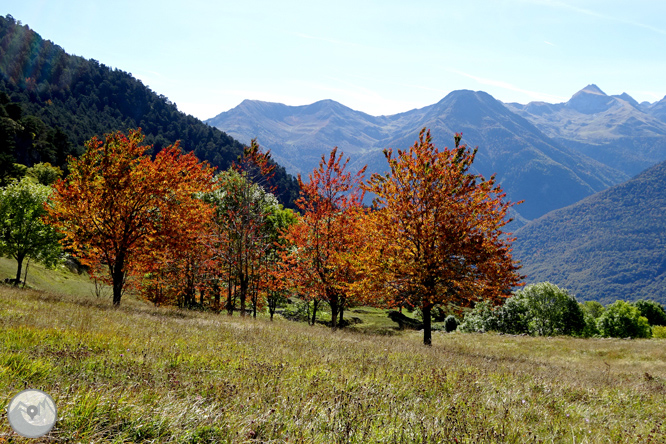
(608, 246)
(60, 101)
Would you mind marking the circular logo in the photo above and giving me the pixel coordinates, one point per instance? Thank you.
(32, 413)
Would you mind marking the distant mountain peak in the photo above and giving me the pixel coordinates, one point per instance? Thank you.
(627, 98)
(591, 89)
(590, 100)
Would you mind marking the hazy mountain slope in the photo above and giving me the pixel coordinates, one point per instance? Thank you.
(530, 166)
(614, 130)
(658, 109)
(298, 135)
(609, 246)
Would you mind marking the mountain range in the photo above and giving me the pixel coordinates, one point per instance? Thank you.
(587, 225)
(608, 246)
(532, 160)
(615, 130)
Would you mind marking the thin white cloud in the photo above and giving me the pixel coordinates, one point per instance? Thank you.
(589, 12)
(548, 43)
(508, 86)
(406, 85)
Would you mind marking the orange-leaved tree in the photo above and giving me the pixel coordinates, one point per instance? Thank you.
(117, 202)
(437, 232)
(330, 201)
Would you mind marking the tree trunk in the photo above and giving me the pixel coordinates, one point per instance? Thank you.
(19, 259)
(243, 294)
(314, 311)
(118, 277)
(216, 291)
(427, 332)
(25, 275)
(333, 302)
(230, 305)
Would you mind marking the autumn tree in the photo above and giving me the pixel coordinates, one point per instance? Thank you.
(330, 201)
(437, 232)
(242, 233)
(117, 202)
(176, 267)
(23, 232)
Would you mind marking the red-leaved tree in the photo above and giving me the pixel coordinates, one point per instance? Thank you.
(118, 203)
(436, 233)
(317, 265)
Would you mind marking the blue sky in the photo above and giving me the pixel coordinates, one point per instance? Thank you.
(380, 57)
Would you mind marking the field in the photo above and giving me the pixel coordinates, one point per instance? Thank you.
(145, 374)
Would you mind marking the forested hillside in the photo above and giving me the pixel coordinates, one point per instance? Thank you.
(52, 102)
(608, 246)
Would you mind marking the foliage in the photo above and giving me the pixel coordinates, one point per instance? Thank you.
(118, 205)
(539, 309)
(450, 323)
(437, 231)
(623, 320)
(55, 102)
(659, 331)
(247, 223)
(23, 233)
(326, 235)
(592, 308)
(652, 311)
(44, 173)
(480, 319)
(546, 310)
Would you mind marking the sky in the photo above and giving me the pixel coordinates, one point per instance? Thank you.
(379, 57)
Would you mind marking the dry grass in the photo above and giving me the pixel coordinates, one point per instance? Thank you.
(140, 374)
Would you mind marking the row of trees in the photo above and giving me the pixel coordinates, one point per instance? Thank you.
(169, 227)
(546, 310)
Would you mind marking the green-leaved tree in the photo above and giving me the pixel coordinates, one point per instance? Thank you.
(23, 233)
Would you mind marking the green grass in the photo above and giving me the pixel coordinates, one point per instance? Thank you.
(57, 280)
(144, 374)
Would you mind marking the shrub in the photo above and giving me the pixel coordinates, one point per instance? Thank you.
(450, 323)
(653, 311)
(544, 309)
(592, 308)
(659, 331)
(591, 311)
(621, 320)
(480, 319)
(513, 317)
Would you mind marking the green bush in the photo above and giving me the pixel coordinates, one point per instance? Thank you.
(450, 323)
(659, 331)
(480, 319)
(543, 309)
(622, 320)
(592, 308)
(653, 311)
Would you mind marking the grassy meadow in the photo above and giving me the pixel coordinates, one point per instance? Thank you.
(145, 374)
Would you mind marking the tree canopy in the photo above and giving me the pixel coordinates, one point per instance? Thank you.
(23, 232)
(117, 203)
(438, 231)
